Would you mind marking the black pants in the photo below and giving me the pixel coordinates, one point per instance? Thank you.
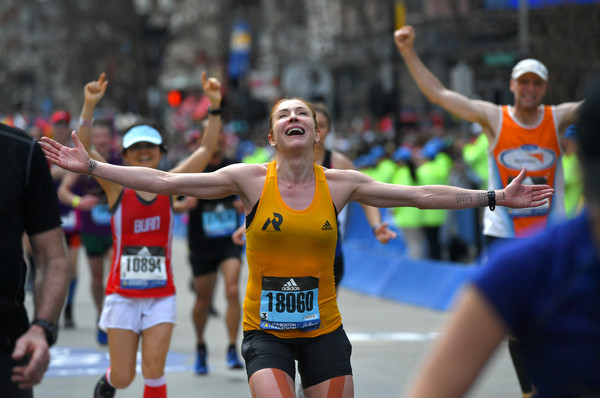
(8, 389)
(433, 240)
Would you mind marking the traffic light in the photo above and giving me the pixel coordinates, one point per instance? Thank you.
(174, 98)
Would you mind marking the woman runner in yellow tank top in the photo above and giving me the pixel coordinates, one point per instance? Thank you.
(290, 311)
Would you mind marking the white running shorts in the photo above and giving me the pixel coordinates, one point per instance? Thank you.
(136, 314)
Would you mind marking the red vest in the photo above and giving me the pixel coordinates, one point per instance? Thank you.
(142, 243)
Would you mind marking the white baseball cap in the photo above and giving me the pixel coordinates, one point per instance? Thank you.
(529, 65)
(142, 133)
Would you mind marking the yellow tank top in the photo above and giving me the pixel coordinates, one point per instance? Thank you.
(290, 253)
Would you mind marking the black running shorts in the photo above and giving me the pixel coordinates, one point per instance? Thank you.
(319, 358)
(205, 260)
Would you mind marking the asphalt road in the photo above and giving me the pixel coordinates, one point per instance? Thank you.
(389, 340)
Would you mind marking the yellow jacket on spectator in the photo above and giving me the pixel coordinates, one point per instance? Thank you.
(435, 172)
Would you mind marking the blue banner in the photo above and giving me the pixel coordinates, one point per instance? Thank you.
(514, 4)
(239, 47)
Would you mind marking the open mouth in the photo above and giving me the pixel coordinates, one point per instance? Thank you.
(294, 131)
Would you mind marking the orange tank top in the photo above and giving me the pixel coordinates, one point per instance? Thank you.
(290, 253)
(537, 148)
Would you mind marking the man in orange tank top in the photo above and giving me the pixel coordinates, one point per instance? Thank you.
(525, 134)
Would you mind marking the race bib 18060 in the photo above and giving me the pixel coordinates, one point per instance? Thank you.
(290, 303)
(143, 267)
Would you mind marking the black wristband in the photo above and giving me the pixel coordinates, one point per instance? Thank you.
(492, 200)
(50, 329)
(215, 112)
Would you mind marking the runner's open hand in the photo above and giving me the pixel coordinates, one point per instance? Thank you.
(74, 159)
(517, 195)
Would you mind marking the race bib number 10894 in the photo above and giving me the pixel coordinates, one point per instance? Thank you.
(143, 267)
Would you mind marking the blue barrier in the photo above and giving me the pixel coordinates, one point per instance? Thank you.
(387, 271)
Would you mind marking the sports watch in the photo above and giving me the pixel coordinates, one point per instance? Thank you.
(50, 329)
